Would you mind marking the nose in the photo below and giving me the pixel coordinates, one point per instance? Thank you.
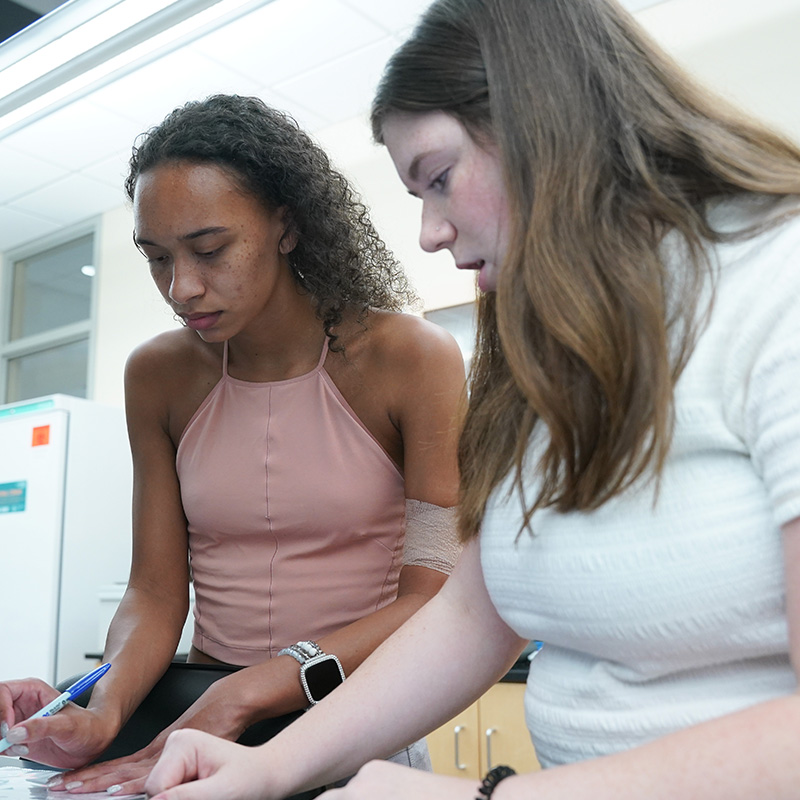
(186, 283)
(435, 233)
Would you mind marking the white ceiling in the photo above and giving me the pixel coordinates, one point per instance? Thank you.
(318, 59)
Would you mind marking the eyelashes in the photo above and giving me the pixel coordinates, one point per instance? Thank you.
(155, 260)
(440, 181)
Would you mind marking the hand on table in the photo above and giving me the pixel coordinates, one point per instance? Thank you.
(214, 712)
(68, 739)
(199, 766)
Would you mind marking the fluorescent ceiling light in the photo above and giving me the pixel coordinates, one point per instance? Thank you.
(77, 42)
(94, 42)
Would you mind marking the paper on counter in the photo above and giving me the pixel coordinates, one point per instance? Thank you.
(23, 783)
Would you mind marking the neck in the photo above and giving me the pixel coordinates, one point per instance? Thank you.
(286, 343)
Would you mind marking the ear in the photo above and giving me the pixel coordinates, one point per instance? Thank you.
(288, 241)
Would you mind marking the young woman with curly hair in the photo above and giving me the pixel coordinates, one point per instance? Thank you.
(294, 445)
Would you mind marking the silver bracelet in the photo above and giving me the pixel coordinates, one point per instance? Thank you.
(299, 657)
(311, 648)
(302, 651)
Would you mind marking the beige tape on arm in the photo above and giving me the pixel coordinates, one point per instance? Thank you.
(431, 537)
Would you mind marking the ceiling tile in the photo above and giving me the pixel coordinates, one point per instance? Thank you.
(112, 171)
(292, 36)
(305, 118)
(70, 200)
(342, 88)
(146, 97)
(349, 143)
(74, 136)
(17, 228)
(392, 15)
(23, 173)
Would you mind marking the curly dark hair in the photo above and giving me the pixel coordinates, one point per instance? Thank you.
(339, 258)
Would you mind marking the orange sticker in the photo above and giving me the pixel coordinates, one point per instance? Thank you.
(41, 435)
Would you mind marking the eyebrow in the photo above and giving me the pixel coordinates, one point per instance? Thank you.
(413, 169)
(186, 237)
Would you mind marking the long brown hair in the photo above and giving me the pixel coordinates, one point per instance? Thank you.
(606, 146)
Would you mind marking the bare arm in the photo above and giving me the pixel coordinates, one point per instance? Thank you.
(144, 633)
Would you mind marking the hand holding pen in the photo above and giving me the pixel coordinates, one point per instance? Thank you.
(54, 706)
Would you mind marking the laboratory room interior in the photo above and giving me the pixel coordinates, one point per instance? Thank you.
(79, 80)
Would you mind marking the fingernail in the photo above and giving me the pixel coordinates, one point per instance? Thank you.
(17, 735)
(55, 781)
(17, 750)
(74, 785)
(114, 789)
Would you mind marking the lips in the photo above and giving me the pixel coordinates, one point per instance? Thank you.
(201, 321)
(487, 274)
(471, 265)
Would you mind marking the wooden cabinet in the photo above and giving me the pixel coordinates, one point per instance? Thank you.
(455, 747)
(491, 731)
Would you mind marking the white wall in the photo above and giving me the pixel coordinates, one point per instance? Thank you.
(750, 55)
(129, 309)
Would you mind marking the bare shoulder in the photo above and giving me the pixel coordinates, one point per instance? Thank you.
(168, 376)
(418, 365)
(421, 371)
(156, 353)
(412, 345)
(158, 362)
(399, 374)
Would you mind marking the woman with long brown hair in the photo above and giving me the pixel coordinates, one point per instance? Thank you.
(630, 462)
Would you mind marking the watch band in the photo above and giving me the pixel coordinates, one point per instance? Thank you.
(299, 657)
(311, 648)
(302, 651)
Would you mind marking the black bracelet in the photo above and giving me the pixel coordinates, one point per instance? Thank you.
(493, 777)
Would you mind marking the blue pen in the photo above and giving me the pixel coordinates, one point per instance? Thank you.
(54, 706)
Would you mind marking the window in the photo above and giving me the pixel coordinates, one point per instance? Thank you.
(48, 319)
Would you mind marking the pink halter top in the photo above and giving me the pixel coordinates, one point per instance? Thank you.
(296, 515)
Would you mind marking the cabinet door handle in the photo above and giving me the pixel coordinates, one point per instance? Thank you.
(489, 732)
(456, 731)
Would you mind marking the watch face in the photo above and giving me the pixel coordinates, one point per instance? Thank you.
(322, 675)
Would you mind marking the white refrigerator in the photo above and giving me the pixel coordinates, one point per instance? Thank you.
(65, 523)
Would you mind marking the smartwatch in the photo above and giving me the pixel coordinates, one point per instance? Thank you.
(320, 675)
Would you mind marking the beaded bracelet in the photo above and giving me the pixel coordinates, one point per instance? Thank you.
(493, 777)
(302, 651)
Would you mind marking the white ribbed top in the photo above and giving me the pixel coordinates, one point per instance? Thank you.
(655, 618)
